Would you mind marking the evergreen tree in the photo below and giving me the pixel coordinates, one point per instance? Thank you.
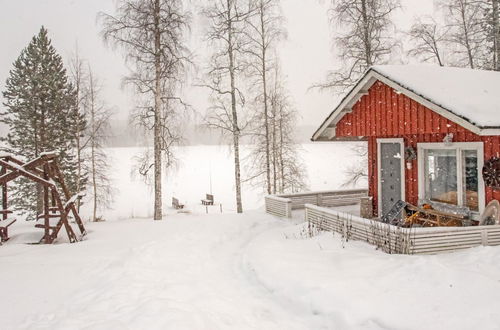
(41, 113)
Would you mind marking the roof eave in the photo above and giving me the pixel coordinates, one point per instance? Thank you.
(490, 131)
(347, 102)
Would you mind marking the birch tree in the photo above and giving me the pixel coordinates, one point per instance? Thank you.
(495, 32)
(289, 174)
(365, 38)
(98, 128)
(79, 78)
(287, 169)
(226, 36)
(264, 32)
(429, 40)
(464, 19)
(491, 26)
(151, 33)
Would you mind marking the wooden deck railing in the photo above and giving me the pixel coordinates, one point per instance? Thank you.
(393, 239)
(282, 205)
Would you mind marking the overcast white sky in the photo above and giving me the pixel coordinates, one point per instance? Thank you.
(306, 56)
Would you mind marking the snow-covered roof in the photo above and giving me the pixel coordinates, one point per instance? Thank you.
(471, 98)
(472, 94)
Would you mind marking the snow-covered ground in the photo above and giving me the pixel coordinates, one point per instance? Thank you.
(250, 271)
(198, 165)
(228, 271)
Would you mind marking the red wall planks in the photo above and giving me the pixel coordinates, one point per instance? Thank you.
(385, 113)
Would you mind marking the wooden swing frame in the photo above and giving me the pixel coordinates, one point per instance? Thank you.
(44, 171)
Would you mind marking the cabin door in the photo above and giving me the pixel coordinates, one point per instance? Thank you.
(391, 173)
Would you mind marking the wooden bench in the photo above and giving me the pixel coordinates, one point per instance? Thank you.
(176, 205)
(4, 229)
(209, 200)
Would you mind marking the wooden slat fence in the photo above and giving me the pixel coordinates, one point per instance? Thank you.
(279, 206)
(282, 205)
(393, 239)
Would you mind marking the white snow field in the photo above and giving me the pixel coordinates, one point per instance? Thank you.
(190, 181)
(229, 271)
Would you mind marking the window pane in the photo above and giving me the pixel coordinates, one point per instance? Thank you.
(470, 199)
(441, 175)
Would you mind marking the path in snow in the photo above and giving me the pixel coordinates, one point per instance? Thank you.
(183, 273)
(249, 271)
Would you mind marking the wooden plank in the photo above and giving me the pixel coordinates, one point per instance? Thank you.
(414, 117)
(421, 118)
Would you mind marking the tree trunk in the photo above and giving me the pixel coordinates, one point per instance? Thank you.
(78, 142)
(282, 166)
(470, 57)
(264, 90)
(157, 116)
(275, 158)
(496, 34)
(42, 148)
(37, 152)
(366, 33)
(235, 128)
(435, 48)
(93, 147)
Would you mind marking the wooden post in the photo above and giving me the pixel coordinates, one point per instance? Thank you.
(366, 207)
(289, 208)
(319, 199)
(484, 237)
(46, 213)
(4, 194)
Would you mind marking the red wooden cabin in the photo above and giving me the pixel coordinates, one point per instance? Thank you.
(430, 130)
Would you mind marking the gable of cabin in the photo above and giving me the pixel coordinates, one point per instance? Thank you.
(385, 112)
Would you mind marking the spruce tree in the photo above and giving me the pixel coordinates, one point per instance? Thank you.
(41, 113)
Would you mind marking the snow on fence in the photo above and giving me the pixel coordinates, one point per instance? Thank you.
(393, 239)
(282, 205)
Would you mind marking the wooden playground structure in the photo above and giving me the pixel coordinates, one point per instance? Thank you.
(44, 171)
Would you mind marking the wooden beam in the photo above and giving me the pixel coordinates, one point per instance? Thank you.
(21, 171)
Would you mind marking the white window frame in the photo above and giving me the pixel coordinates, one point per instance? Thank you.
(401, 142)
(458, 147)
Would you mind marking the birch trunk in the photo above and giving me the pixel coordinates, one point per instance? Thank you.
(264, 91)
(273, 141)
(496, 31)
(236, 130)
(282, 166)
(93, 144)
(465, 28)
(366, 34)
(157, 116)
(80, 82)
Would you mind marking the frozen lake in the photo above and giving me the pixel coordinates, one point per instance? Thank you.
(326, 164)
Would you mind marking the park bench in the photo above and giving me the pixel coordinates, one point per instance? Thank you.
(176, 205)
(209, 200)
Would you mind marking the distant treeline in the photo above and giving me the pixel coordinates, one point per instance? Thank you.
(122, 135)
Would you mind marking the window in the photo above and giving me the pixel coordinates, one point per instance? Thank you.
(450, 174)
